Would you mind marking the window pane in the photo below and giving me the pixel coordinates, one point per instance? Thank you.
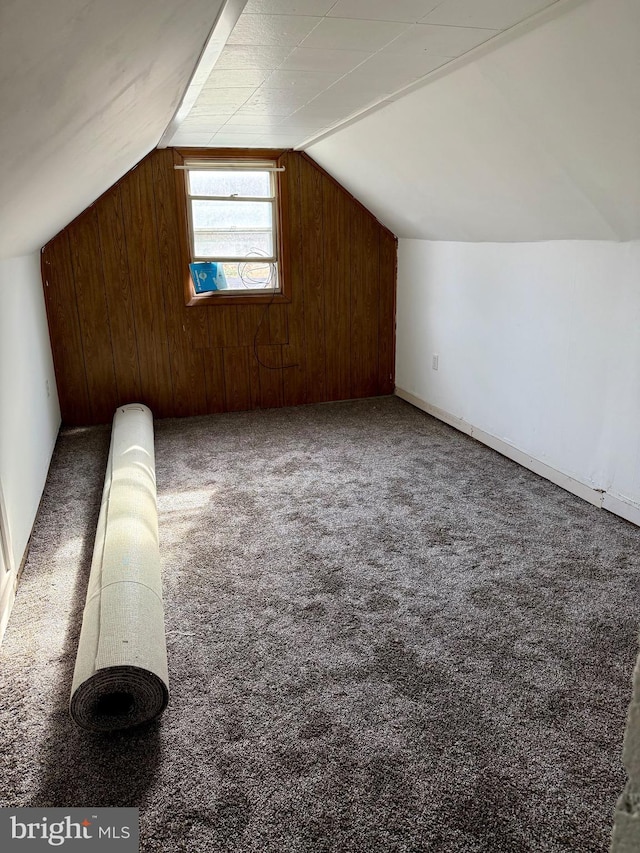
(227, 229)
(243, 277)
(253, 275)
(232, 244)
(254, 184)
(232, 214)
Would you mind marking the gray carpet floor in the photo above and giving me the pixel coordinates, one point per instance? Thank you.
(382, 636)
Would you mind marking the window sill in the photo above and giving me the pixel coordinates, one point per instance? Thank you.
(220, 298)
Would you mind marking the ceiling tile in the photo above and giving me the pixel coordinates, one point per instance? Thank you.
(440, 40)
(212, 111)
(272, 29)
(239, 56)
(318, 113)
(224, 97)
(227, 79)
(260, 108)
(346, 34)
(392, 71)
(350, 86)
(287, 74)
(244, 141)
(253, 140)
(239, 121)
(186, 139)
(382, 10)
(253, 129)
(236, 139)
(288, 7)
(280, 98)
(259, 112)
(492, 14)
(203, 124)
(303, 125)
(311, 82)
(347, 96)
(314, 59)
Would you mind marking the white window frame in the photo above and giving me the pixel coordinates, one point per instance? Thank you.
(201, 165)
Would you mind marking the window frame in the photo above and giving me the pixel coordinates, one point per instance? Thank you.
(185, 159)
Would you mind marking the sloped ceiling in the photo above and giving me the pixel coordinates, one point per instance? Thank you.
(536, 140)
(293, 69)
(86, 90)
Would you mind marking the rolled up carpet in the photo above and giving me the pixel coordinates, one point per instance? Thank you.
(121, 678)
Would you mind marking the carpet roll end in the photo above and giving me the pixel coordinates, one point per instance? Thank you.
(119, 697)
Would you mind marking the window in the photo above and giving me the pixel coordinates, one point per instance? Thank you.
(233, 216)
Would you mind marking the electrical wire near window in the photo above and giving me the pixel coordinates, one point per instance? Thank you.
(233, 219)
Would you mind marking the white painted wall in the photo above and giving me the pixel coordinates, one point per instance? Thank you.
(538, 344)
(86, 90)
(538, 139)
(29, 415)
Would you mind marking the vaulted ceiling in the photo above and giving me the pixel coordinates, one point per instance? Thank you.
(538, 139)
(533, 134)
(292, 69)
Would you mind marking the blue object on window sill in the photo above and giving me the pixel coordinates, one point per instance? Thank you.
(208, 276)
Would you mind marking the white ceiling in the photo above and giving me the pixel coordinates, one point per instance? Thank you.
(527, 138)
(292, 69)
(536, 140)
(86, 90)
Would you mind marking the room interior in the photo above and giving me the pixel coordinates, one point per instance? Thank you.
(398, 504)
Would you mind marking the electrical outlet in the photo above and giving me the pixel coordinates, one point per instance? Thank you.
(435, 361)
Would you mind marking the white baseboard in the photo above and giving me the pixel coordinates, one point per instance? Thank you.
(597, 497)
(8, 588)
(623, 508)
(5, 538)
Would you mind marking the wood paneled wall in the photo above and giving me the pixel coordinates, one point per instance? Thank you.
(120, 330)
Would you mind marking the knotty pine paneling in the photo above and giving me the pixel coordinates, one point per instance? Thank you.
(120, 331)
(365, 263)
(313, 281)
(387, 312)
(113, 253)
(66, 336)
(91, 303)
(337, 290)
(294, 353)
